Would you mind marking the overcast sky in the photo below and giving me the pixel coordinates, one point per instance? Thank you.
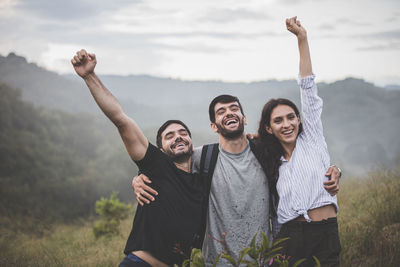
(229, 40)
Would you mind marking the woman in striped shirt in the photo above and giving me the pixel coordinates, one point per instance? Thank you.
(295, 158)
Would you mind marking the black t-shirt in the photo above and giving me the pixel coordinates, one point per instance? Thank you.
(174, 219)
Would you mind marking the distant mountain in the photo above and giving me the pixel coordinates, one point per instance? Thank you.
(42, 87)
(393, 86)
(360, 119)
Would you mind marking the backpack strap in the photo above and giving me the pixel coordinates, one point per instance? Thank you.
(208, 160)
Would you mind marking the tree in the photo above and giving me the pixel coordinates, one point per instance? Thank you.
(111, 212)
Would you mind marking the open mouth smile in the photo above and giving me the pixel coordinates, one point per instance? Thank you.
(231, 121)
(288, 132)
(179, 144)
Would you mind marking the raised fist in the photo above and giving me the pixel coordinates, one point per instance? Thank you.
(294, 26)
(84, 63)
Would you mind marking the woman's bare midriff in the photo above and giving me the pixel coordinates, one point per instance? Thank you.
(321, 213)
(150, 259)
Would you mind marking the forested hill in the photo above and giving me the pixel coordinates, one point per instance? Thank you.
(360, 119)
(55, 165)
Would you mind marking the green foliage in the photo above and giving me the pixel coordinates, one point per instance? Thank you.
(111, 212)
(105, 228)
(112, 208)
(260, 254)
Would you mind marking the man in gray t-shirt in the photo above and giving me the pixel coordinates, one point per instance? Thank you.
(239, 196)
(238, 203)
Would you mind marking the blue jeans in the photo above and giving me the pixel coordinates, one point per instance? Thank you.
(133, 261)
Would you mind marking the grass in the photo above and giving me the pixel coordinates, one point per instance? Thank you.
(369, 219)
(369, 227)
(63, 245)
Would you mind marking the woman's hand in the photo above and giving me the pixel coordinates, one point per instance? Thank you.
(294, 26)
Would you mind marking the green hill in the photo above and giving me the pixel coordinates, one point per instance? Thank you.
(54, 165)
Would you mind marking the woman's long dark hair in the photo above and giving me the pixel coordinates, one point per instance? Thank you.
(269, 148)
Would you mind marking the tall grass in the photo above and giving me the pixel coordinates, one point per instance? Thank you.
(369, 227)
(63, 245)
(369, 219)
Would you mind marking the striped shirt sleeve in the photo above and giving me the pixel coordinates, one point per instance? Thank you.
(311, 109)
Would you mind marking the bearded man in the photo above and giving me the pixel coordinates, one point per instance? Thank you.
(164, 232)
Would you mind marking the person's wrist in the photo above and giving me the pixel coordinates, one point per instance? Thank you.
(88, 75)
(302, 36)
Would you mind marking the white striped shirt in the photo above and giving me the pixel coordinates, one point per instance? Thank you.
(300, 184)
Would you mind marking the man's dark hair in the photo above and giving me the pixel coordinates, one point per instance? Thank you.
(165, 125)
(222, 99)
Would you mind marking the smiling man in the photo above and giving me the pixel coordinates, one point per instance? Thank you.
(226, 115)
(239, 193)
(163, 233)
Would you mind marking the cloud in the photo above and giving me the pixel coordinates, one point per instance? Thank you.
(352, 22)
(343, 22)
(395, 34)
(296, 2)
(213, 34)
(112, 60)
(198, 47)
(392, 19)
(388, 35)
(327, 27)
(71, 9)
(380, 47)
(232, 15)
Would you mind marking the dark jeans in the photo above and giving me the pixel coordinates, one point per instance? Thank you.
(308, 239)
(133, 261)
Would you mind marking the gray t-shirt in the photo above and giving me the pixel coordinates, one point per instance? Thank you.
(238, 205)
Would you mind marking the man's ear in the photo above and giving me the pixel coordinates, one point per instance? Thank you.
(244, 120)
(214, 127)
(161, 148)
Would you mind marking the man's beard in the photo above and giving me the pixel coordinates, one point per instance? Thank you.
(182, 156)
(231, 135)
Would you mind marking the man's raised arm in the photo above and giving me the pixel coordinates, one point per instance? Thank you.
(135, 142)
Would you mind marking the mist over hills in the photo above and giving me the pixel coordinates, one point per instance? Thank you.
(360, 119)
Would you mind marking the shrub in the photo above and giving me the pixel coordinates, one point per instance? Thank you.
(111, 212)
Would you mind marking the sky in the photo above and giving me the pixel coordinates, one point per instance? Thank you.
(225, 40)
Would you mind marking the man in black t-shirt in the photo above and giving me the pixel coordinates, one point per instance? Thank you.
(162, 233)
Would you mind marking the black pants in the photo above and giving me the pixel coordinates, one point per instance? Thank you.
(308, 239)
(133, 261)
